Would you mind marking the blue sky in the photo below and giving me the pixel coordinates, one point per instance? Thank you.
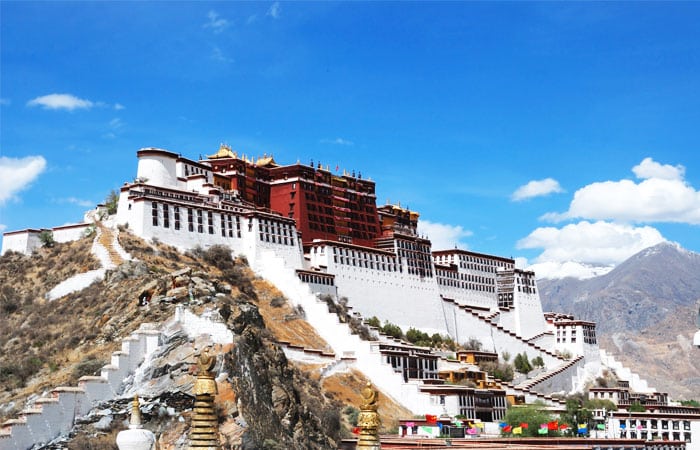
(552, 132)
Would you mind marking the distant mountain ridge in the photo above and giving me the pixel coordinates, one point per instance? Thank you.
(645, 309)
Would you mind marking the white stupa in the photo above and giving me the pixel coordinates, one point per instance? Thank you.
(136, 437)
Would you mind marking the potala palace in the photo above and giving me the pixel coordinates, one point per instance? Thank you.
(313, 231)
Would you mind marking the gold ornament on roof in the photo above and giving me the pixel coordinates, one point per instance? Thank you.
(224, 152)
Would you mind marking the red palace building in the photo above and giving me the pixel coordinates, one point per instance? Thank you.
(326, 206)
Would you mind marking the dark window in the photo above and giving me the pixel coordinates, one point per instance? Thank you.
(166, 216)
(177, 217)
(154, 213)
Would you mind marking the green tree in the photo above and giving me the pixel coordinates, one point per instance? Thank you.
(636, 407)
(418, 337)
(392, 330)
(693, 403)
(521, 363)
(578, 411)
(46, 238)
(537, 361)
(533, 415)
(111, 202)
(374, 322)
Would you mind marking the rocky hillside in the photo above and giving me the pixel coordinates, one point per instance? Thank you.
(646, 310)
(265, 402)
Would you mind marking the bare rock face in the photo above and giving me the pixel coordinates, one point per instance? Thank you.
(273, 397)
(645, 311)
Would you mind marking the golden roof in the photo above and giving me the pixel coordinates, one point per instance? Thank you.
(266, 161)
(224, 152)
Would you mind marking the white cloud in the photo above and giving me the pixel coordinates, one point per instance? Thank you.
(5, 101)
(78, 201)
(116, 123)
(217, 23)
(3, 227)
(661, 196)
(119, 106)
(218, 55)
(337, 141)
(443, 236)
(536, 188)
(61, 101)
(555, 269)
(17, 174)
(649, 168)
(274, 10)
(598, 243)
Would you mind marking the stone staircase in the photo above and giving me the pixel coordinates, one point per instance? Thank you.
(636, 383)
(488, 319)
(362, 355)
(107, 238)
(532, 383)
(50, 416)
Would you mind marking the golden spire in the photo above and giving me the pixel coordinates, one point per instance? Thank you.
(204, 431)
(368, 420)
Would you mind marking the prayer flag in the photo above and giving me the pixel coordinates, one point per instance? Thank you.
(623, 425)
(553, 425)
(543, 425)
(479, 425)
(356, 430)
(639, 427)
(524, 425)
(518, 430)
(600, 426)
(471, 431)
(502, 424)
(543, 430)
(563, 426)
(582, 428)
(507, 428)
(430, 418)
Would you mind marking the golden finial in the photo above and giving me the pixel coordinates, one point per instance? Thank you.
(368, 420)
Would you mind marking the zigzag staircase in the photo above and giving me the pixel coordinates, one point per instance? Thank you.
(50, 416)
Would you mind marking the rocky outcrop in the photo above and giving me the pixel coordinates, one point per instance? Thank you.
(289, 411)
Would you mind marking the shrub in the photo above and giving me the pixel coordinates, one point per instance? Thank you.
(218, 256)
(352, 414)
(46, 238)
(473, 344)
(498, 370)
(88, 366)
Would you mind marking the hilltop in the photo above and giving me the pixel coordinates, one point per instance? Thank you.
(61, 340)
